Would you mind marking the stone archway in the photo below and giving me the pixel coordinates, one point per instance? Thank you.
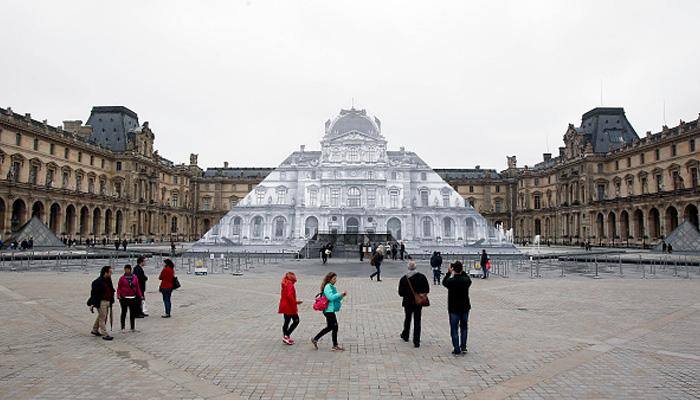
(38, 210)
(538, 227)
(19, 214)
(55, 218)
(624, 225)
(654, 223)
(310, 226)
(69, 224)
(671, 219)
(600, 232)
(612, 226)
(639, 232)
(393, 226)
(84, 217)
(108, 222)
(96, 221)
(690, 214)
(352, 225)
(119, 223)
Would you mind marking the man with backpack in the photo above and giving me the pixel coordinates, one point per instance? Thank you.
(102, 298)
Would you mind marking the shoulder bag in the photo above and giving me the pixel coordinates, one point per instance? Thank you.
(421, 299)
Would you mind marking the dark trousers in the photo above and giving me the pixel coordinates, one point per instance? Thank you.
(288, 329)
(401, 254)
(362, 255)
(324, 258)
(458, 330)
(436, 276)
(166, 299)
(331, 326)
(485, 272)
(415, 312)
(133, 306)
(377, 273)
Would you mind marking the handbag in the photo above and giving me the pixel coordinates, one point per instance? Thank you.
(321, 302)
(421, 299)
(176, 283)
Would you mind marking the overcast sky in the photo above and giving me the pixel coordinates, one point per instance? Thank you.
(461, 83)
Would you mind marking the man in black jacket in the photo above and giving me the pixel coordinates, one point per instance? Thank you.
(458, 305)
(102, 298)
(436, 265)
(142, 278)
(412, 282)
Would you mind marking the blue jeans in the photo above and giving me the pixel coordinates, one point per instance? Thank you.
(166, 299)
(458, 330)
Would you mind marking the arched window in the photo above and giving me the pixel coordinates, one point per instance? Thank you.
(280, 225)
(427, 225)
(236, 226)
(354, 197)
(448, 227)
(257, 228)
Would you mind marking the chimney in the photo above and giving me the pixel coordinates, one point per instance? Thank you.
(302, 147)
(546, 156)
(72, 126)
(225, 164)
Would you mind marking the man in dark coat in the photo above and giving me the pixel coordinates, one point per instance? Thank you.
(457, 283)
(484, 260)
(102, 298)
(362, 252)
(142, 278)
(436, 266)
(402, 250)
(419, 283)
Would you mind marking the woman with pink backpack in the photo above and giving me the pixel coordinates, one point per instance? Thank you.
(329, 301)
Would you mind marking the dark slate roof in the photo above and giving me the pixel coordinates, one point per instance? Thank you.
(607, 128)
(111, 125)
(451, 174)
(237, 172)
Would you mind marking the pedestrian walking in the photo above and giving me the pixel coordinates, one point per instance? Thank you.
(334, 298)
(362, 252)
(129, 295)
(325, 252)
(394, 250)
(289, 307)
(402, 250)
(436, 266)
(102, 298)
(377, 263)
(141, 275)
(484, 264)
(167, 284)
(411, 287)
(116, 245)
(457, 283)
(124, 243)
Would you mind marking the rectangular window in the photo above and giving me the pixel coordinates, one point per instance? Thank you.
(629, 162)
(498, 187)
(91, 185)
(659, 183)
(393, 175)
(33, 172)
(692, 145)
(471, 189)
(645, 186)
(537, 203)
(537, 181)
(673, 150)
(601, 192)
(174, 200)
(102, 163)
(617, 165)
(18, 139)
(260, 196)
(206, 203)
(49, 177)
(423, 176)
(313, 198)
(66, 153)
(498, 205)
(175, 179)
(694, 177)
(630, 187)
(119, 165)
(600, 167)
(313, 174)
(371, 198)
(78, 183)
(36, 144)
(394, 199)
(445, 200)
(92, 160)
(657, 154)
(80, 157)
(281, 196)
(424, 198)
(370, 175)
(641, 158)
(335, 196)
(118, 189)
(52, 149)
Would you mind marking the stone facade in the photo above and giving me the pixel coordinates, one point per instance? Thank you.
(354, 185)
(607, 185)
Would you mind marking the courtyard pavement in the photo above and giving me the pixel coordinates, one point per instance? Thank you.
(574, 338)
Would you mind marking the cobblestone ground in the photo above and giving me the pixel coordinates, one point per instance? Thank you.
(573, 338)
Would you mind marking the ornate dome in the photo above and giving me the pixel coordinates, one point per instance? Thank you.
(353, 120)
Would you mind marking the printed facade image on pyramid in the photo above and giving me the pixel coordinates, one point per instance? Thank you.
(354, 187)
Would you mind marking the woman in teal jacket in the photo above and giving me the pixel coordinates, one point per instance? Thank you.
(334, 301)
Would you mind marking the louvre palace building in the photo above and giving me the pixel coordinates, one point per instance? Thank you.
(103, 179)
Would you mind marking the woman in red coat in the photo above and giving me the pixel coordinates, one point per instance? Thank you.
(288, 307)
(167, 276)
